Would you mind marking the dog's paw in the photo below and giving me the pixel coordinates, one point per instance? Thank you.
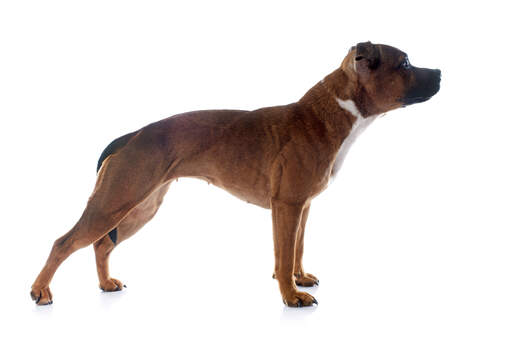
(299, 299)
(42, 296)
(112, 285)
(306, 280)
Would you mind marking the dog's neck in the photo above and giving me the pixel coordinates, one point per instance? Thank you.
(340, 104)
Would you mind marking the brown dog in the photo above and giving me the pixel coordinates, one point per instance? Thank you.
(278, 158)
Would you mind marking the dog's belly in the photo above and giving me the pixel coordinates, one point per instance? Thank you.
(245, 178)
(257, 197)
(248, 187)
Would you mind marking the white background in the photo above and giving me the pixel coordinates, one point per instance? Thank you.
(412, 242)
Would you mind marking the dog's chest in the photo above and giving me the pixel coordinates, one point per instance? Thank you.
(358, 127)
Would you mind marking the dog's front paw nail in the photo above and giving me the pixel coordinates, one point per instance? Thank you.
(299, 299)
(306, 280)
(112, 285)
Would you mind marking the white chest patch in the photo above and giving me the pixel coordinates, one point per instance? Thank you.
(358, 127)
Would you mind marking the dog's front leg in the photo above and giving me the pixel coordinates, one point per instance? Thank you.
(285, 221)
(301, 278)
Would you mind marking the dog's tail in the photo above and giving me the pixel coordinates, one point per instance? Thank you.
(112, 148)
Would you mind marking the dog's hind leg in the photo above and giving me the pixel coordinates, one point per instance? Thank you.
(122, 184)
(132, 223)
(91, 226)
(102, 249)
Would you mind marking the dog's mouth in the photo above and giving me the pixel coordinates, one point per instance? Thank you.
(414, 100)
(427, 84)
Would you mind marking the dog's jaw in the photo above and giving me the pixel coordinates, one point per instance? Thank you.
(358, 126)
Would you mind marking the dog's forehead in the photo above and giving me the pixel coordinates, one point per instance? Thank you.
(386, 51)
(390, 52)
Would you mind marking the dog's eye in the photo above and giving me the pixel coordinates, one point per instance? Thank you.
(405, 63)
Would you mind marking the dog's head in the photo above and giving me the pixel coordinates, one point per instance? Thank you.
(386, 80)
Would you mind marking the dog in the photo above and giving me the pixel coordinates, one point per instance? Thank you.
(278, 158)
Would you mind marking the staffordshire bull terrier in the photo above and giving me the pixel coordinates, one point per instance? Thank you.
(278, 158)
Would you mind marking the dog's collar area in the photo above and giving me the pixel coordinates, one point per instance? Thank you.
(350, 106)
(358, 126)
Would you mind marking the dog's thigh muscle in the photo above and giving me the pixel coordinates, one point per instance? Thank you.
(141, 214)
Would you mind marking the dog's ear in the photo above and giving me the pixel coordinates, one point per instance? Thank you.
(367, 56)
